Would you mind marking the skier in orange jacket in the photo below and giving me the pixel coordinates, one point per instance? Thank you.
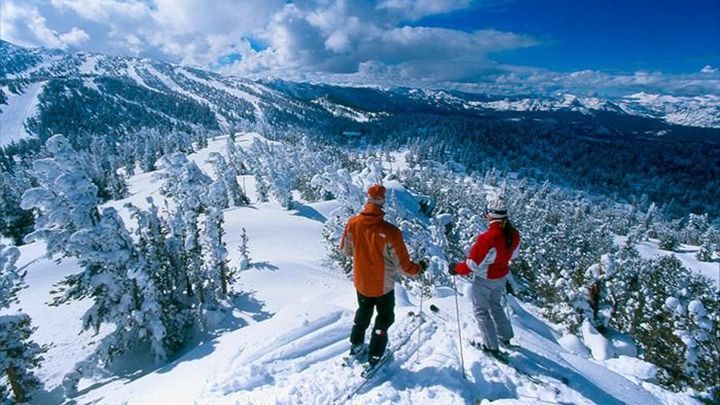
(378, 252)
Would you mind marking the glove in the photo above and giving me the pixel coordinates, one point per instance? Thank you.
(459, 269)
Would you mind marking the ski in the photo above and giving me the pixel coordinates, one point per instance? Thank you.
(439, 314)
(369, 372)
(504, 357)
(360, 357)
(515, 351)
(497, 355)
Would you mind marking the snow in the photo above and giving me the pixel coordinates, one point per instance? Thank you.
(252, 99)
(599, 346)
(89, 64)
(57, 326)
(133, 74)
(650, 249)
(340, 110)
(172, 85)
(18, 109)
(697, 111)
(294, 318)
(574, 345)
(633, 368)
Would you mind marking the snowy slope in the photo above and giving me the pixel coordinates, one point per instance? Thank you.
(686, 254)
(699, 111)
(18, 109)
(293, 322)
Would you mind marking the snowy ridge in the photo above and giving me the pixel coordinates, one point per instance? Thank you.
(339, 110)
(239, 102)
(292, 323)
(700, 111)
(16, 111)
(571, 102)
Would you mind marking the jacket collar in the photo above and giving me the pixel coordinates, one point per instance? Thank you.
(372, 210)
(496, 223)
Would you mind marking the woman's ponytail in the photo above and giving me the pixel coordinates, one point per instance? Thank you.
(509, 233)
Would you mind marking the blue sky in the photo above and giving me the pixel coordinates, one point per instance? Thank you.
(611, 35)
(598, 47)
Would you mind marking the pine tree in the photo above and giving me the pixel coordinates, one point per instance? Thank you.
(15, 222)
(217, 277)
(158, 254)
(65, 199)
(228, 176)
(114, 275)
(708, 245)
(244, 251)
(696, 226)
(19, 356)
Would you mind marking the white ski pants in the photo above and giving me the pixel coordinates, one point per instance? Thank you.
(489, 311)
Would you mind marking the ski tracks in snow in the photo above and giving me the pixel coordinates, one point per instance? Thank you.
(303, 365)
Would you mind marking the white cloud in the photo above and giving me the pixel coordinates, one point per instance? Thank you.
(334, 39)
(104, 10)
(74, 36)
(415, 9)
(324, 40)
(24, 25)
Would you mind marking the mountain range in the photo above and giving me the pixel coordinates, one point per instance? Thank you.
(45, 91)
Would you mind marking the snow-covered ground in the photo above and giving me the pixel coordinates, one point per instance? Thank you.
(686, 254)
(18, 109)
(293, 323)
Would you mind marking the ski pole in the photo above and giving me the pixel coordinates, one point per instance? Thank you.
(457, 312)
(422, 285)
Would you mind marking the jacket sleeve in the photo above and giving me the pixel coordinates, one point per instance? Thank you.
(480, 248)
(462, 269)
(478, 253)
(406, 265)
(346, 242)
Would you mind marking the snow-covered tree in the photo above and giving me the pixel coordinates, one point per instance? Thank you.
(120, 282)
(708, 245)
(236, 157)
(217, 276)
(340, 184)
(696, 226)
(668, 235)
(244, 251)
(65, 199)
(310, 160)
(217, 195)
(350, 197)
(102, 166)
(121, 286)
(228, 176)
(274, 171)
(15, 222)
(188, 186)
(158, 269)
(19, 355)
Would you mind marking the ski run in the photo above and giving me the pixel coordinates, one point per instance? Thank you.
(287, 334)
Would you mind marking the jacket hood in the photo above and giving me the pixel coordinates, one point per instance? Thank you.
(372, 213)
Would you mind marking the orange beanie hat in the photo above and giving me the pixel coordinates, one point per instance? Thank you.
(376, 194)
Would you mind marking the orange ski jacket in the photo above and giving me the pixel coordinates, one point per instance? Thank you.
(378, 252)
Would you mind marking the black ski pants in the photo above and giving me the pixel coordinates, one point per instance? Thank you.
(385, 306)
